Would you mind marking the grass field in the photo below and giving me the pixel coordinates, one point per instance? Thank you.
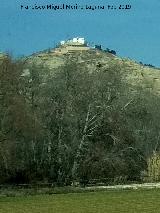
(138, 201)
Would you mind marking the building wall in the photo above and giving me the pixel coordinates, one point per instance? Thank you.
(78, 48)
(66, 49)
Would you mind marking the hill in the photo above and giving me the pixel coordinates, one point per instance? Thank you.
(133, 72)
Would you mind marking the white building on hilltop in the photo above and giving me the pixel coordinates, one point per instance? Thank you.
(74, 42)
(72, 45)
(79, 40)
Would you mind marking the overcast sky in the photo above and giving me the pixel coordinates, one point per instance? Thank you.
(133, 33)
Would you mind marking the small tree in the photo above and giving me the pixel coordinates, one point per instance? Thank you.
(154, 167)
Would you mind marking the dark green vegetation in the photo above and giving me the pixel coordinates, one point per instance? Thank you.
(84, 119)
(112, 202)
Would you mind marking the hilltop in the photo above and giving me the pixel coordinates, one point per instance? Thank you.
(133, 72)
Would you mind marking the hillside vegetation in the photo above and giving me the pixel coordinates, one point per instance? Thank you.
(78, 116)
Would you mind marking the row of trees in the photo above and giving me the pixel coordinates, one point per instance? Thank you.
(73, 124)
(99, 47)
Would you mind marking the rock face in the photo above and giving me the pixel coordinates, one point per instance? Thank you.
(133, 72)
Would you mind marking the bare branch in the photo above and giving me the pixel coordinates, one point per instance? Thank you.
(126, 104)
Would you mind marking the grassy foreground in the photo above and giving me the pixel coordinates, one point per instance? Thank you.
(139, 201)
